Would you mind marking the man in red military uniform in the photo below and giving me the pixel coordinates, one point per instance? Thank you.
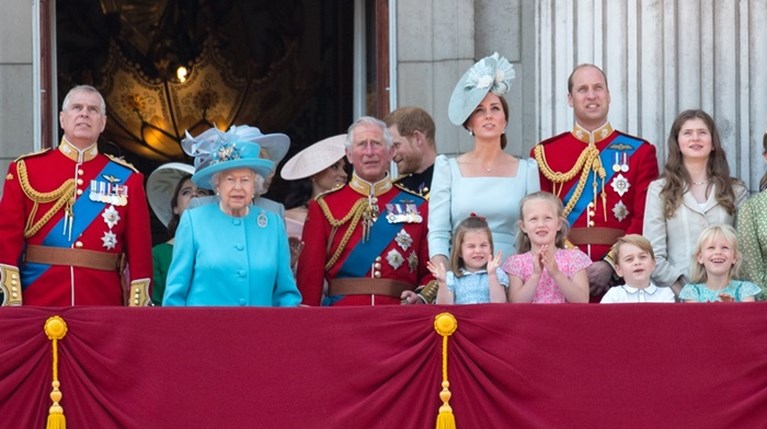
(601, 174)
(72, 218)
(366, 240)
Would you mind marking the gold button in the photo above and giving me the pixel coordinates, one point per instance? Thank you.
(79, 244)
(377, 265)
(80, 171)
(378, 258)
(377, 274)
(79, 181)
(79, 192)
(591, 223)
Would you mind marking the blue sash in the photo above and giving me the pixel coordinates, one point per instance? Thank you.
(362, 257)
(383, 232)
(86, 210)
(622, 144)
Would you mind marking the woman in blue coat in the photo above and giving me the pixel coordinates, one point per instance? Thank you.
(231, 253)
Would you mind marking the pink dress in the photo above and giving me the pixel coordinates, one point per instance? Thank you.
(569, 261)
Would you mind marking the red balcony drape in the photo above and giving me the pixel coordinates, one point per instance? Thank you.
(510, 366)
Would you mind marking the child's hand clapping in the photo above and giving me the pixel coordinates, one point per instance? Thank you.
(547, 259)
(437, 270)
(726, 298)
(494, 263)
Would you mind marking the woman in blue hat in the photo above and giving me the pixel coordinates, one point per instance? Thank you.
(486, 180)
(231, 253)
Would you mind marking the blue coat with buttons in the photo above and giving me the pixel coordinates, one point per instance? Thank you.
(220, 260)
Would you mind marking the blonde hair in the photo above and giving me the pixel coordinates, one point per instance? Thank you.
(698, 272)
(523, 241)
(635, 240)
(471, 223)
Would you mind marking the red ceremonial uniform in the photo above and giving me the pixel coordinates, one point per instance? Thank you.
(39, 190)
(401, 233)
(620, 210)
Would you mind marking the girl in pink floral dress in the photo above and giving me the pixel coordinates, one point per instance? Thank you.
(544, 271)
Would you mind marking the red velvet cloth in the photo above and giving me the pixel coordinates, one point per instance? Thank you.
(526, 366)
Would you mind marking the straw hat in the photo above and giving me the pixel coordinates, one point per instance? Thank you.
(315, 158)
(490, 74)
(160, 187)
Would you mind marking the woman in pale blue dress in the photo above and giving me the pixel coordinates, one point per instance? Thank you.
(486, 180)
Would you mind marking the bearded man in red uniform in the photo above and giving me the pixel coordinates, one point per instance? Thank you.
(367, 240)
(72, 219)
(600, 173)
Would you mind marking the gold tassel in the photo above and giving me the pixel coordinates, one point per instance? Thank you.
(445, 324)
(56, 329)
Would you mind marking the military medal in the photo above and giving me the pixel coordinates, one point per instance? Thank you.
(620, 211)
(616, 164)
(625, 164)
(412, 262)
(109, 192)
(620, 184)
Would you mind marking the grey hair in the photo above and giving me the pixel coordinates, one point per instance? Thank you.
(368, 121)
(259, 181)
(85, 88)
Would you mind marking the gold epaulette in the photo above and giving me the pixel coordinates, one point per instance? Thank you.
(27, 155)
(329, 191)
(409, 191)
(121, 161)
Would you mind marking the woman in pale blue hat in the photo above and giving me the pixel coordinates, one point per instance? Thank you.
(486, 180)
(231, 253)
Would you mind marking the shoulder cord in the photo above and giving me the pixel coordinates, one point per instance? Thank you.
(63, 195)
(587, 161)
(355, 214)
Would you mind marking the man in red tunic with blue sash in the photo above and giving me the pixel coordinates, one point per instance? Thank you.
(73, 218)
(600, 173)
(366, 241)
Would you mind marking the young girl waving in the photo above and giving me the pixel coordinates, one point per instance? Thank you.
(544, 271)
(715, 264)
(475, 276)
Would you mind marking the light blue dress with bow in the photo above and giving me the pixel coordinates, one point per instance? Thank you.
(220, 260)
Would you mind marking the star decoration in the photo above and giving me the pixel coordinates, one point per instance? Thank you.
(404, 239)
(109, 240)
(620, 211)
(111, 217)
(620, 184)
(394, 258)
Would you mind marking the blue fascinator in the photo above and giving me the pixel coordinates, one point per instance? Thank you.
(490, 74)
(215, 151)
